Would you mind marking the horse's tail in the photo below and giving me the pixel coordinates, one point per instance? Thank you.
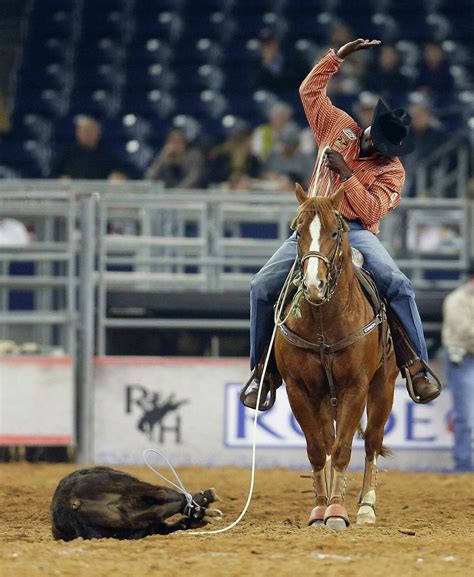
(384, 452)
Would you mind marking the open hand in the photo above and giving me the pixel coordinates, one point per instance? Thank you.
(359, 44)
(335, 162)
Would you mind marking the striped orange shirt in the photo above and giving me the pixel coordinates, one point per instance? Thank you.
(377, 180)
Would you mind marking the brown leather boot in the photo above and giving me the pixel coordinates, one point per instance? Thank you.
(418, 383)
(249, 392)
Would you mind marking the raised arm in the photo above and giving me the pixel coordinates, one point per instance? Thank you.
(318, 107)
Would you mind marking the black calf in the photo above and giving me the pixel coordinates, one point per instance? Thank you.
(104, 503)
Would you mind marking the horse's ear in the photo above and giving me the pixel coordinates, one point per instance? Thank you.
(337, 197)
(300, 193)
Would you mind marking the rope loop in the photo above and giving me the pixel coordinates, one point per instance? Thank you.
(190, 502)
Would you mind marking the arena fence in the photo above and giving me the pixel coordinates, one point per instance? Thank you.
(94, 239)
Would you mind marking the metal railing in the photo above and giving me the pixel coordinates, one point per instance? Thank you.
(175, 242)
(442, 174)
(51, 257)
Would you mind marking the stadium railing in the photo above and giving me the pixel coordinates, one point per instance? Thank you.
(137, 237)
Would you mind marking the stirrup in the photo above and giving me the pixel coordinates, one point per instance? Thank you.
(411, 391)
(266, 388)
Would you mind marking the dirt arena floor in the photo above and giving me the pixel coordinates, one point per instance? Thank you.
(424, 528)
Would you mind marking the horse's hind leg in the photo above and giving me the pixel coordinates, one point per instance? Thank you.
(379, 405)
(306, 412)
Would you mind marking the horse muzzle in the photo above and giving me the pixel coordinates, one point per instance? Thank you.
(315, 293)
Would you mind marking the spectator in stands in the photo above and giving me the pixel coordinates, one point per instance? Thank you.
(458, 340)
(265, 137)
(428, 136)
(364, 108)
(277, 70)
(385, 77)
(434, 76)
(88, 158)
(177, 165)
(427, 130)
(233, 159)
(288, 165)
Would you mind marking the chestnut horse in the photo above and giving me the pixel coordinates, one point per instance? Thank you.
(354, 372)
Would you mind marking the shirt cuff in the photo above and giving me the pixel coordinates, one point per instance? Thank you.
(335, 56)
(349, 184)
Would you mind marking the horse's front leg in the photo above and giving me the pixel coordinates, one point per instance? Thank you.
(307, 413)
(350, 409)
(322, 491)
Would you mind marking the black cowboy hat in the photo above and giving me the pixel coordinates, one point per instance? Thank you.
(391, 131)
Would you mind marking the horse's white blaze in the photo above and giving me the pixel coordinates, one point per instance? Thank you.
(313, 262)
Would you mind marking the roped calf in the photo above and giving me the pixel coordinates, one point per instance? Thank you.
(101, 502)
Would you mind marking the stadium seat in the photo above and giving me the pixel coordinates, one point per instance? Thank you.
(160, 59)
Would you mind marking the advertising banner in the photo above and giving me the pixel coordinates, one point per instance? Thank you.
(36, 401)
(189, 409)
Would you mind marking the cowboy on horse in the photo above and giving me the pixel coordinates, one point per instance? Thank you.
(365, 164)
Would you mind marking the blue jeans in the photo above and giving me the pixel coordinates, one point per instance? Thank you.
(460, 380)
(393, 285)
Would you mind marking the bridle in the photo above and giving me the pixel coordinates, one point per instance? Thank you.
(331, 261)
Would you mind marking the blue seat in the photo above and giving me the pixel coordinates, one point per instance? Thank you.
(149, 50)
(127, 127)
(107, 76)
(197, 50)
(101, 51)
(166, 25)
(154, 103)
(144, 8)
(51, 50)
(48, 102)
(148, 76)
(58, 23)
(101, 103)
(27, 157)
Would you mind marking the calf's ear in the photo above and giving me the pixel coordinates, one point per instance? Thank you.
(300, 193)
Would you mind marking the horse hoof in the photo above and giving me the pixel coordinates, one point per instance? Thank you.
(336, 523)
(316, 523)
(366, 515)
(317, 515)
(336, 517)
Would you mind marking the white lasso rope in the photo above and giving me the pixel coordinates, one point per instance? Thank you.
(318, 170)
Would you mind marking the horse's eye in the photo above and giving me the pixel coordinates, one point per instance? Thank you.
(334, 234)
